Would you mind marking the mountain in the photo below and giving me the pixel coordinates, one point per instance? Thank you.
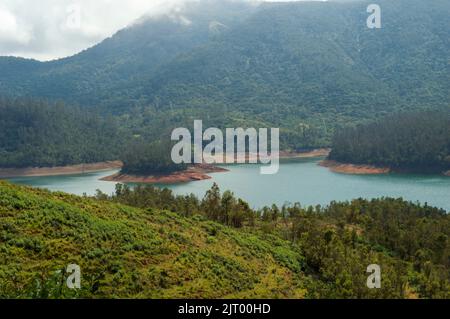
(116, 63)
(315, 58)
(305, 67)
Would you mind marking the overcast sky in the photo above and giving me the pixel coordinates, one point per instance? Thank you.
(49, 29)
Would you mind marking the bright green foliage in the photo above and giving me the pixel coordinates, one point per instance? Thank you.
(131, 252)
(147, 251)
(338, 242)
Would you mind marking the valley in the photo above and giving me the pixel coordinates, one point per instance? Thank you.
(98, 168)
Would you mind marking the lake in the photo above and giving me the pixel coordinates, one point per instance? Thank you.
(299, 180)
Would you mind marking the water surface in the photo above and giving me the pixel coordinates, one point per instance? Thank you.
(297, 181)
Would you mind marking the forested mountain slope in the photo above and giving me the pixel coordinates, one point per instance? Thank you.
(90, 77)
(309, 59)
(306, 67)
(35, 133)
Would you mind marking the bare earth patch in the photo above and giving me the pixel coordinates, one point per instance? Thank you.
(194, 173)
(354, 169)
(200, 172)
(321, 152)
(63, 170)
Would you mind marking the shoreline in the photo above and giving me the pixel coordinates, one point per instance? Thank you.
(200, 172)
(59, 170)
(197, 172)
(353, 169)
(360, 169)
(192, 174)
(319, 152)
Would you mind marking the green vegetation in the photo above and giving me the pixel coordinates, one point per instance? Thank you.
(148, 243)
(306, 67)
(130, 252)
(35, 133)
(38, 134)
(119, 63)
(142, 158)
(418, 142)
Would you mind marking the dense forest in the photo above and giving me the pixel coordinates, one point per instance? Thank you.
(410, 141)
(143, 158)
(305, 67)
(147, 243)
(35, 133)
(38, 133)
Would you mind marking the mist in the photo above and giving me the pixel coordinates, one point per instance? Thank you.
(52, 29)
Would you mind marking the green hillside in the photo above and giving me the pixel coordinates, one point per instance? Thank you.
(130, 252)
(306, 67)
(317, 62)
(146, 251)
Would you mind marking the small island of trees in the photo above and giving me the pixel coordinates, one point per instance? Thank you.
(141, 158)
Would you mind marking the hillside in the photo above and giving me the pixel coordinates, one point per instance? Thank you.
(130, 252)
(35, 133)
(317, 61)
(146, 251)
(117, 63)
(306, 67)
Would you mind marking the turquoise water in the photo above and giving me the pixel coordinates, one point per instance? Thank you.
(297, 181)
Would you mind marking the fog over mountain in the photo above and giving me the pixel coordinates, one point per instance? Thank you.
(292, 65)
(50, 29)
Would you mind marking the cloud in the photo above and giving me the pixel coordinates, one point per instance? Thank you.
(50, 29)
(11, 31)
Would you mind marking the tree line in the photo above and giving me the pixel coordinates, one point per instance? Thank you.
(417, 142)
(35, 133)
